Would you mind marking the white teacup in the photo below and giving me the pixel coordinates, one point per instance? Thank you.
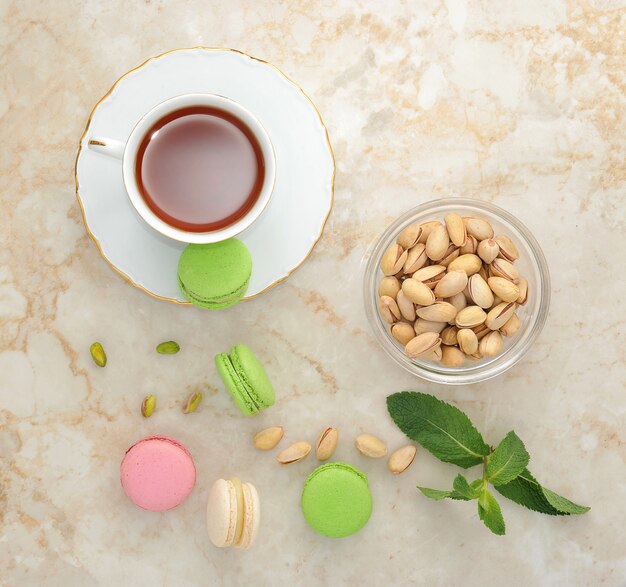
(127, 152)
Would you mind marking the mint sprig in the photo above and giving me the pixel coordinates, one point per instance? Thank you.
(449, 435)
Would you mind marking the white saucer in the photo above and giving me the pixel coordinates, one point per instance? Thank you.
(285, 234)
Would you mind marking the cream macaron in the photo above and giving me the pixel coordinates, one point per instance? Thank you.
(233, 513)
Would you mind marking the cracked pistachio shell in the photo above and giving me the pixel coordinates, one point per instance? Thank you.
(418, 292)
(422, 344)
(469, 246)
(470, 316)
(388, 309)
(488, 250)
(409, 236)
(478, 228)
(491, 344)
(430, 275)
(500, 315)
(268, 438)
(456, 228)
(480, 292)
(422, 326)
(389, 286)
(508, 250)
(451, 283)
(451, 254)
(393, 260)
(452, 356)
(469, 263)
(416, 258)
(427, 228)
(326, 443)
(434, 355)
(402, 332)
(370, 446)
(438, 312)
(295, 453)
(505, 269)
(512, 326)
(506, 290)
(401, 459)
(481, 330)
(458, 301)
(468, 341)
(522, 284)
(437, 243)
(448, 336)
(406, 307)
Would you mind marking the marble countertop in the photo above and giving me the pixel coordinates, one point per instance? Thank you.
(517, 102)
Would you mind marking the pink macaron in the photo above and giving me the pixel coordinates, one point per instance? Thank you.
(157, 473)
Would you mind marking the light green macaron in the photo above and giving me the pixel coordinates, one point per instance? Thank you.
(215, 276)
(245, 379)
(336, 500)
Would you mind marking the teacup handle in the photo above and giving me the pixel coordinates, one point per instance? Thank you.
(109, 147)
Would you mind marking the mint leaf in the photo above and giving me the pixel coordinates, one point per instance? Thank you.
(462, 487)
(439, 494)
(527, 491)
(508, 460)
(439, 427)
(490, 513)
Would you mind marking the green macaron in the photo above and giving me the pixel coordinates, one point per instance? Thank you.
(245, 379)
(336, 500)
(216, 275)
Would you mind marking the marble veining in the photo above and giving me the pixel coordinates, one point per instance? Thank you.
(517, 102)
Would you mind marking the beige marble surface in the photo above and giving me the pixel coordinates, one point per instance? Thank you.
(520, 102)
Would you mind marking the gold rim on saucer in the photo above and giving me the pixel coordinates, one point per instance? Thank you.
(82, 209)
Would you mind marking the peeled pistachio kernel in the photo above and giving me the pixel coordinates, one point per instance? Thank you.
(437, 243)
(370, 446)
(388, 309)
(148, 405)
(389, 286)
(97, 354)
(430, 275)
(393, 260)
(491, 344)
(500, 315)
(470, 317)
(488, 250)
(192, 403)
(502, 268)
(448, 336)
(456, 228)
(469, 246)
(477, 227)
(406, 307)
(427, 228)
(469, 263)
(418, 292)
(523, 291)
(468, 341)
(409, 237)
(401, 459)
(422, 344)
(416, 258)
(294, 454)
(402, 332)
(508, 250)
(437, 312)
(452, 283)
(422, 326)
(267, 439)
(326, 444)
(506, 290)
(451, 356)
(511, 327)
(169, 347)
(479, 291)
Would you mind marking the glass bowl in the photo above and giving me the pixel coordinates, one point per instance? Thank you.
(531, 264)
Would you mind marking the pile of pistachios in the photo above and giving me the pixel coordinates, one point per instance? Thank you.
(450, 290)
